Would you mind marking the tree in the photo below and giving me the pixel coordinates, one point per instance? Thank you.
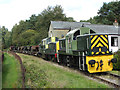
(5, 37)
(8, 39)
(40, 24)
(27, 38)
(108, 13)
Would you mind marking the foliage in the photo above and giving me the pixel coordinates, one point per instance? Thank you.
(35, 77)
(5, 37)
(39, 24)
(107, 14)
(84, 20)
(117, 56)
(115, 72)
(27, 37)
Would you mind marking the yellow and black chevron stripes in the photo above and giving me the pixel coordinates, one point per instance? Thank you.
(99, 44)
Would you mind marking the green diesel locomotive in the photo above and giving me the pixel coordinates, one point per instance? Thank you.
(82, 49)
(86, 51)
(48, 49)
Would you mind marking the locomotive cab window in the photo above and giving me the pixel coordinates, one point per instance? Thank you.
(48, 40)
(91, 31)
(62, 44)
(56, 39)
(114, 41)
(76, 34)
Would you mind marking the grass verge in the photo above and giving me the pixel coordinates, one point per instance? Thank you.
(115, 72)
(11, 73)
(43, 74)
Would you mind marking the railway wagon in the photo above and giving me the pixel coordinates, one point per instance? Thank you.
(88, 52)
(13, 48)
(34, 50)
(25, 50)
(29, 50)
(21, 49)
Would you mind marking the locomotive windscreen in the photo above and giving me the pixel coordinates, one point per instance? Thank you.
(99, 44)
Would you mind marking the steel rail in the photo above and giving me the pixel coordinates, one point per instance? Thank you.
(106, 81)
(22, 67)
(114, 75)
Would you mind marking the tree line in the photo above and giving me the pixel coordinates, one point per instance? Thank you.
(33, 30)
(5, 38)
(107, 14)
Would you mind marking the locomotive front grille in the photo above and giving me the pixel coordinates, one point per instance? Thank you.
(99, 44)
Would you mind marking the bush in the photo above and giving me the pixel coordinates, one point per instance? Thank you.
(116, 66)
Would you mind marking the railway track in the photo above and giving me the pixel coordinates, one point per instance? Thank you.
(22, 67)
(111, 79)
(108, 78)
(114, 75)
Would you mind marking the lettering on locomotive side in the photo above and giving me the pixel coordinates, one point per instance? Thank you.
(99, 44)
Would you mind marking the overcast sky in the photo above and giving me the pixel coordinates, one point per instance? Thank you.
(12, 11)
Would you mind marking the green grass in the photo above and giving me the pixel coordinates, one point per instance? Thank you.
(115, 72)
(42, 74)
(11, 74)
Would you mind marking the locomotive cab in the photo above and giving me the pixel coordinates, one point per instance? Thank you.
(71, 38)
